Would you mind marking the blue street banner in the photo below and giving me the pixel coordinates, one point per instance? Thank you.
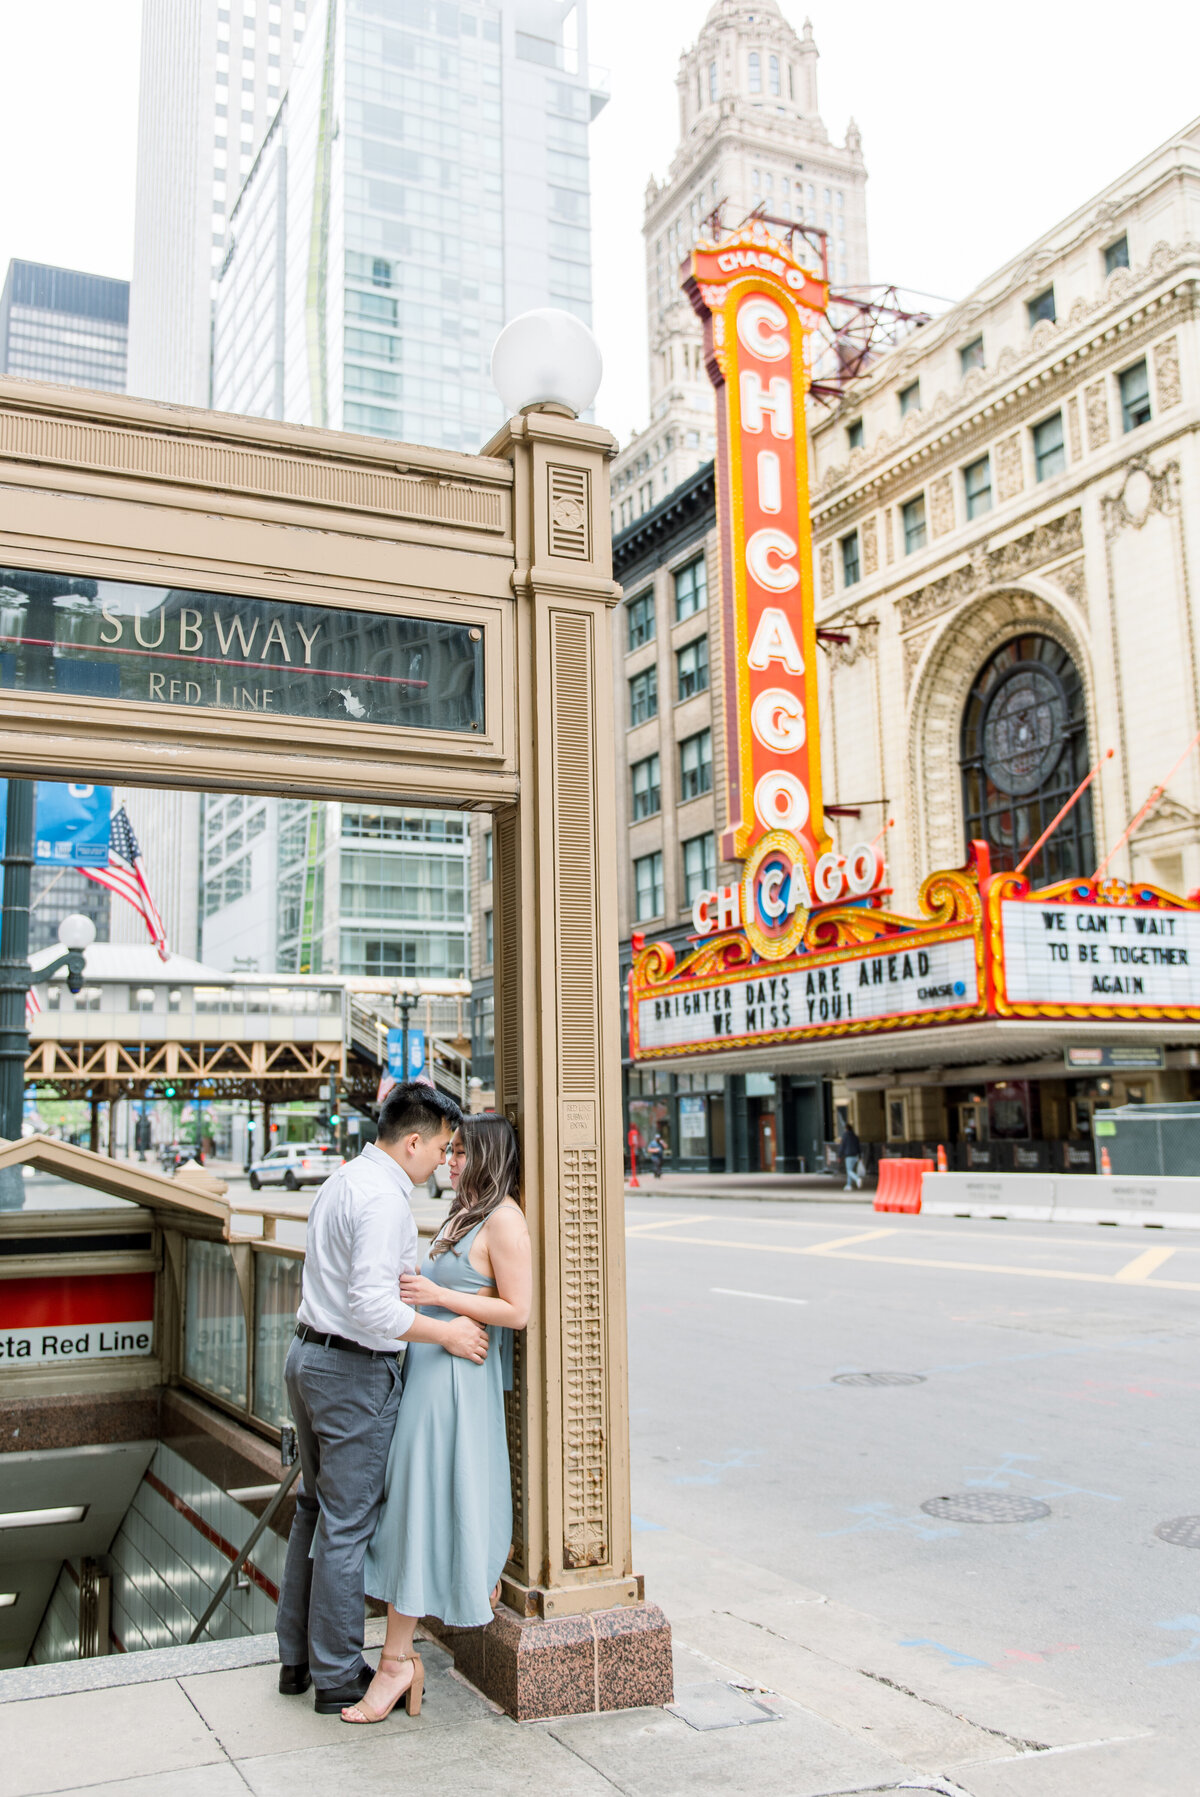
(70, 823)
(416, 1054)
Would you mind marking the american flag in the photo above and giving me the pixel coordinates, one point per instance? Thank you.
(124, 876)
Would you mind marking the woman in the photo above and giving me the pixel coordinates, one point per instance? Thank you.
(445, 1529)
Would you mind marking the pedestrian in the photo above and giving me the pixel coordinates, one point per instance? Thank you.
(445, 1529)
(850, 1155)
(655, 1149)
(343, 1381)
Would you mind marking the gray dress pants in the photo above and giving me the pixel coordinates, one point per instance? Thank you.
(344, 1407)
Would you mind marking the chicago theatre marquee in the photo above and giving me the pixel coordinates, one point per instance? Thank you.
(930, 615)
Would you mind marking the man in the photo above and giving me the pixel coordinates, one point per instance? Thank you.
(343, 1381)
(850, 1152)
(655, 1152)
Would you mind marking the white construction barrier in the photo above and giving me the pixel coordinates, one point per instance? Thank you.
(1147, 1202)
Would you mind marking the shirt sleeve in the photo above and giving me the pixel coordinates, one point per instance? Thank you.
(376, 1261)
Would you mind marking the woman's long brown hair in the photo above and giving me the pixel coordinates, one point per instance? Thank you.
(491, 1173)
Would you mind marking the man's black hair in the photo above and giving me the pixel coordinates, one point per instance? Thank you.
(416, 1106)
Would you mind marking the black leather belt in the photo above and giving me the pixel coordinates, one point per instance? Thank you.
(339, 1341)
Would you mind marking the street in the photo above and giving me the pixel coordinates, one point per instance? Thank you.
(1055, 1365)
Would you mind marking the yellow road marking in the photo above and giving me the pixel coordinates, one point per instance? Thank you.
(1140, 1269)
(849, 1241)
(940, 1266)
(1103, 1239)
(662, 1223)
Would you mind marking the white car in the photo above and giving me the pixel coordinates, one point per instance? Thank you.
(295, 1165)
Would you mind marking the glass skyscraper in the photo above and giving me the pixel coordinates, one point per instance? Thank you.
(425, 180)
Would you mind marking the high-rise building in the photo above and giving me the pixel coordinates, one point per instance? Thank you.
(425, 180)
(59, 325)
(212, 75)
(750, 137)
(314, 886)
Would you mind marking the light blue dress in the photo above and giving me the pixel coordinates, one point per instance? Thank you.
(445, 1529)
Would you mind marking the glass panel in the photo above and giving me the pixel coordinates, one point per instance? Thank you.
(214, 1337)
(276, 1296)
(158, 645)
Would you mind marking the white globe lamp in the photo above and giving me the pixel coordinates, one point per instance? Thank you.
(77, 931)
(547, 359)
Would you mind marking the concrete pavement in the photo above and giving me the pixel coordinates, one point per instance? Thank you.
(779, 1693)
(831, 1635)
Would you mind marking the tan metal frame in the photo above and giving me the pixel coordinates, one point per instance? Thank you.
(515, 542)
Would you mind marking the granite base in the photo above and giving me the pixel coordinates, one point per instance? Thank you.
(616, 1659)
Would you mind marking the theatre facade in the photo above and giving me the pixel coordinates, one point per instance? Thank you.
(1001, 589)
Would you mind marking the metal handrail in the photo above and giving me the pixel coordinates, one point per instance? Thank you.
(252, 1541)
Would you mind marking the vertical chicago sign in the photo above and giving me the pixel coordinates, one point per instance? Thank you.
(759, 308)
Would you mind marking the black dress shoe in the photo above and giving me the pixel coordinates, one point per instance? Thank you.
(294, 1680)
(333, 1701)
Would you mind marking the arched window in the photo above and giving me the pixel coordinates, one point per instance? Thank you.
(773, 74)
(755, 72)
(712, 80)
(1023, 753)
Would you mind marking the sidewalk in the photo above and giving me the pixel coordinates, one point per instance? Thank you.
(779, 1693)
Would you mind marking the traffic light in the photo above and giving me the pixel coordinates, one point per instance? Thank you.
(334, 1120)
(168, 1091)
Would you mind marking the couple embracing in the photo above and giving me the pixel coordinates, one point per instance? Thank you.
(405, 1489)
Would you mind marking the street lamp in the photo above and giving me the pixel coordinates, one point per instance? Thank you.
(77, 934)
(548, 359)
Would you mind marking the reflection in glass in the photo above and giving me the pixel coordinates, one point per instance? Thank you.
(214, 1343)
(276, 1295)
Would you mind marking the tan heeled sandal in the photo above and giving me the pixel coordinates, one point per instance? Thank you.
(412, 1692)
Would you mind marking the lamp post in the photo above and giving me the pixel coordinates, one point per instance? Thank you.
(404, 1004)
(14, 956)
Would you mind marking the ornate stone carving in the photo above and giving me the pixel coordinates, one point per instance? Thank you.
(585, 1506)
(941, 505)
(827, 570)
(1073, 439)
(1043, 332)
(914, 648)
(994, 567)
(863, 644)
(1010, 476)
(870, 545)
(1072, 580)
(1167, 817)
(1167, 388)
(1142, 491)
(887, 535)
(1095, 405)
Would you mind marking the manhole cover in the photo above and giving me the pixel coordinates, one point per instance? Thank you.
(986, 1506)
(1182, 1531)
(879, 1379)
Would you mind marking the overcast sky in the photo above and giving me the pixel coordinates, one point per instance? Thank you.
(981, 126)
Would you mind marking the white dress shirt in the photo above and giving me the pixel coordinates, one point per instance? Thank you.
(361, 1237)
